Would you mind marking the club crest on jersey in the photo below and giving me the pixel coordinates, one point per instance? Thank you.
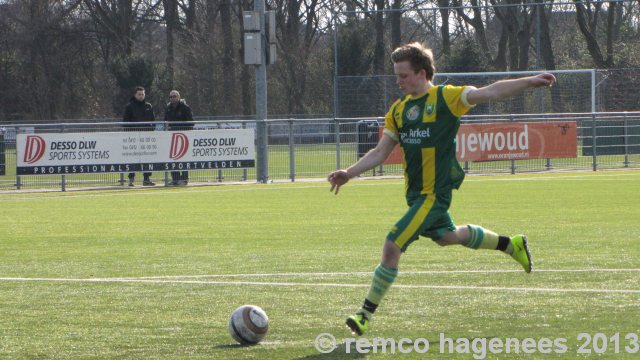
(413, 113)
(429, 109)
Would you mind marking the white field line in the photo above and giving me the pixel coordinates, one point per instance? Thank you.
(291, 284)
(428, 272)
(284, 186)
(180, 280)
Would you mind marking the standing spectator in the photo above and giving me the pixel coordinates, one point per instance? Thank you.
(136, 111)
(179, 117)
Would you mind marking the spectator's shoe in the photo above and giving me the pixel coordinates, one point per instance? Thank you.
(521, 252)
(174, 183)
(148, 183)
(358, 324)
(131, 183)
(182, 182)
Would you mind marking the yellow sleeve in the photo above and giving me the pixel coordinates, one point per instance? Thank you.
(456, 99)
(390, 124)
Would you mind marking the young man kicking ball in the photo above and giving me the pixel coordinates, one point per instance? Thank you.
(425, 122)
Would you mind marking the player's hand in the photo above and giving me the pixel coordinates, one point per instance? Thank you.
(337, 179)
(545, 79)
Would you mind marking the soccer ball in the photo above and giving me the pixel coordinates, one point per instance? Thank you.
(248, 324)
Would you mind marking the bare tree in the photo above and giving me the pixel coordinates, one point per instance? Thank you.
(445, 33)
(379, 49)
(396, 23)
(171, 21)
(517, 26)
(588, 22)
(46, 43)
(298, 29)
(114, 21)
(230, 103)
(478, 25)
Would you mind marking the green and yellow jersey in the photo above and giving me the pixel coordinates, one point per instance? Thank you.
(426, 127)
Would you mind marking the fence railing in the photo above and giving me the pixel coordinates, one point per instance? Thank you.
(311, 148)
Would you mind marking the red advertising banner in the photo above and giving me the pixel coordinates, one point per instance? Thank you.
(511, 141)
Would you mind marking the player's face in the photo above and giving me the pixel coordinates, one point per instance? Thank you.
(407, 79)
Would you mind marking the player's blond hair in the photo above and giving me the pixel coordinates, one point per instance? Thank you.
(419, 56)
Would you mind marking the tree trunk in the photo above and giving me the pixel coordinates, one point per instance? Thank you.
(170, 16)
(478, 25)
(548, 58)
(378, 52)
(396, 24)
(589, 31)
(126, 26)
(500, 62)
(208, 71)
(546, 48)
(230, 103)
(517, 23)
(444, 28)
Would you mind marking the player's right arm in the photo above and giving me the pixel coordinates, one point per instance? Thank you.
(505, 89)
(373, 158)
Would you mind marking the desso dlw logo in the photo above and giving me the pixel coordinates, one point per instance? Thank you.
(35, 149)
(179, 146)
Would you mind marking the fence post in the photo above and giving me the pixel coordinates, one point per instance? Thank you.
(292, 153)
(382, 164)
(626, 141)
(18, 180)
(337, 132)
(244, 171)
(513, 162)
(593, 142)
(548, 165)
(63, 178)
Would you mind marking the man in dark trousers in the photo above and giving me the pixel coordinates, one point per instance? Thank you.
(138, 110)
(178, 116)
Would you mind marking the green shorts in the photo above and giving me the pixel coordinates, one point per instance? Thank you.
(428, 216)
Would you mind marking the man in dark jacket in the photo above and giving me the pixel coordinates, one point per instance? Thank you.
(178, 116)
(136, 111)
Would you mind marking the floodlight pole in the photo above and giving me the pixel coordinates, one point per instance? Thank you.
(262, 158)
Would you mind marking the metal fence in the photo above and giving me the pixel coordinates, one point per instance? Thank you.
(575, 91)
(496, 30)
(311, 148)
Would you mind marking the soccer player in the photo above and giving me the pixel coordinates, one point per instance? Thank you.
(425, 122)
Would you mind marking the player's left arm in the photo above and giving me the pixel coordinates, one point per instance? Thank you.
(504, 89)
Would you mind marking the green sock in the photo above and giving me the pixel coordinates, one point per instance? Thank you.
(383, 277)
(481, 238)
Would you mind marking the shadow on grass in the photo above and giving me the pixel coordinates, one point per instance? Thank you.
(340, 352)
(233, 346)
(433, 348)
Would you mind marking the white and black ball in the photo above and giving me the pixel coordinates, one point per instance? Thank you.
(248, 324)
